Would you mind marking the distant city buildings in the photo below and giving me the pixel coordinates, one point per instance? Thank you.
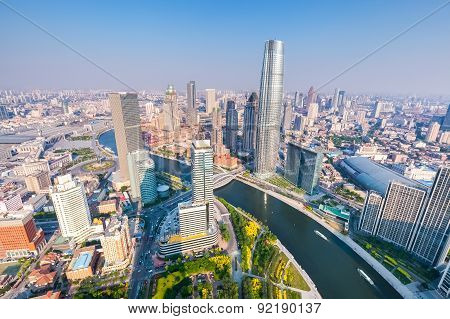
(303, 166)
(211, 101)
(249, 127)
(269, 109)
(38, 182)
(433, 132)
(287, 117)
(171, 113)
(72, 210)
(191, 107)
(231, 127)
(127, 127)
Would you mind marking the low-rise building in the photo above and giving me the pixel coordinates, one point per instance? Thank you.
(83, 263)
(107, 206)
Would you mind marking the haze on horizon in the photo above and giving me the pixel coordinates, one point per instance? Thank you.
(220, 45)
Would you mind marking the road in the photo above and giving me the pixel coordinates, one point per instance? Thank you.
(142, 263)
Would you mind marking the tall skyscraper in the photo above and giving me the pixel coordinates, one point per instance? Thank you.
(210, 100)
(149, 108)
(311, 98)
(287, 117)
(400, 212)
(250, 118)
(313, 111)
(303, 166)
(341, 99)
(296, 102)
(231, 126)
(64, 107)
(377, 110)
(171, 113)
(191, 110)
(71, 206)
(269, 109)
(127, 127)
(444, 283)
(202, 175)
(300, 123)
(142, 176)
(370, 215)
(361, 117)
(4, 115)
(432, 240)
(335, 100)
(217, 133)
(433, 131)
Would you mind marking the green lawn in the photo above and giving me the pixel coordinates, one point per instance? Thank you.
(167, 282)
(295, 279)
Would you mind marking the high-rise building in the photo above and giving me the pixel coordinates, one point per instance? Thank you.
(217, 133)
(193, 219)
(287, 117)
(433, 131)
(4, 115)
(127, 127)
(444, 283)
(149, 109)
(202, 175)
(446, 120)
(64, 107)
(269, 109)
(171, 113)
(361, 117)
(231, 126)
(313, 111)
(211, 102)
(19, 236)
(370, 216)
(334, 106)
(377, 110)
(296, 102)
(250, 117)
(38, 182)
(303, 166)
(341, 99)
(71, 206)
(300, 123)
(311, 98)
(400, 212)
(142, 176)
(116, 243)
(431, 243)
(191, 110)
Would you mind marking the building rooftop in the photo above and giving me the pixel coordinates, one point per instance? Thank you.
(83, 260)
(199, 144)
(373, 176)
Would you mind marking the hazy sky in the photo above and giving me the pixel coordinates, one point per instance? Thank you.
(220, 44)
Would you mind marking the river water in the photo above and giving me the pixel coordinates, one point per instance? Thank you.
(330, 263)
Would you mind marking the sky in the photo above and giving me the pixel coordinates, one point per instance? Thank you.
(220, 44)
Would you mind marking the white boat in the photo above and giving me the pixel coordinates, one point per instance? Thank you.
(364, 275)
(318, 233)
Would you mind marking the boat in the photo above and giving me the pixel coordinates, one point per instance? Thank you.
(364, 275)
(318, 233)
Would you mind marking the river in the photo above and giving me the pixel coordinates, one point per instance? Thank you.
(331, 264)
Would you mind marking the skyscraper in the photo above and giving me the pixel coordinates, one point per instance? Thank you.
(400, 212)
(335, 100)
(116, 243)
(311, 98)
(432, 240)
(231, 126)
(127, 128)
(296, 102)
(71, 206)
(446, 120)
(433, 131)
(269, 109)
(250, 117)
(341, 99)
(303, 166)
(300, 123)
(191, 110)
(142, 176)
(313, 111)
(287, 116)
(171, 113)
(370, 214)
(210, 100)
(444, 283)
(217, 133)
(377, 110)
(202, 175)
(4, 115)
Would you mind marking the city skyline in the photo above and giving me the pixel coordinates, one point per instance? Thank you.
(332, 47)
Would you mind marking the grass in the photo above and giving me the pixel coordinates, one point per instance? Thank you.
(295, 279)
(403, 276)
(167, 282)
(97, 166)
(282, 182)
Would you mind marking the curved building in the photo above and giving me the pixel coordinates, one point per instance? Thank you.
(142, 176)
(269, 109)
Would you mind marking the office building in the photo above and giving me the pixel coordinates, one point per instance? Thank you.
(377, 109)
(431, 243)
(311, 97)
(149, 109)
(300, 123)
(444, 283)
(116, 243)
(400, 213)
(446, 120)
(341, 99)
(38, 182)
(171, 113)
(250, 118)
(298, 99)
(433, 131)
(370, 215)
(303, 166)
(19, 236)
(4, 114)
(286, 122)
(334, 105)
(193, 219)
(361, 117)
(127, 128)
(217, 133)
(231, 127)
(269, 109)
(313, 111)
(142, 177)
(71, 206)
(202, 175)
(210, 100)
(191, 107)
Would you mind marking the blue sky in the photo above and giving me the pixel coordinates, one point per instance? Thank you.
(220, 44)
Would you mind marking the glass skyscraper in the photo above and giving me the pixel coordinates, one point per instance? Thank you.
(269, 110)
(142, 176)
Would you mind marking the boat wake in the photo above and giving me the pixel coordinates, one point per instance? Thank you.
(366, 277)
(318, 233)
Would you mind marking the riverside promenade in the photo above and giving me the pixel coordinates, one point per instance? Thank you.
(404, 291)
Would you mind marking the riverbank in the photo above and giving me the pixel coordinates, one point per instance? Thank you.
(388, 276)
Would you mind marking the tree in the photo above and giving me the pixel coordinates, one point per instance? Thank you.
(230, 290)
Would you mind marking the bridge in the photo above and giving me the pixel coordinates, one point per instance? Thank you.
(222, 179)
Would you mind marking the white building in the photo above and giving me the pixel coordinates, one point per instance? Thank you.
(72, 210)
(142, 176)
(210, 100)
(116, 243)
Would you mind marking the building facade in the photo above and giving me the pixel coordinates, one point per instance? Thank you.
(370, 216)
(269, 109)
(249, 127)
(171, 113)
(231, 127)
(142, 176)
(191, 107)
(210, 100)
(38, 182)
(116, 243)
